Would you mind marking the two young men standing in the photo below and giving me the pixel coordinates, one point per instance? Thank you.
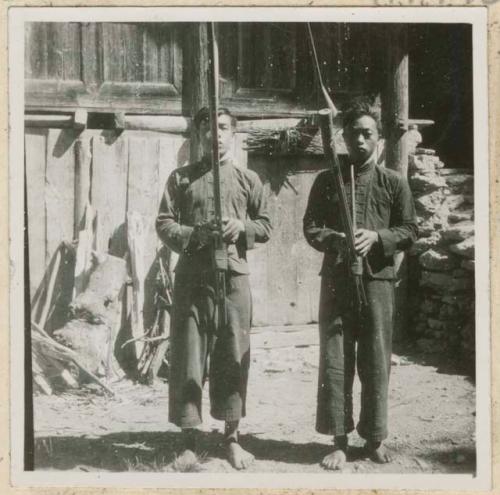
(385, 223)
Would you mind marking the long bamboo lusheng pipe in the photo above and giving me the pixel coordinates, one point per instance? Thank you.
(220, 258)
(329, 102)
(355, 261)
(326, 116)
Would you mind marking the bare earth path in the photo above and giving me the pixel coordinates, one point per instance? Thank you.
(432, 415)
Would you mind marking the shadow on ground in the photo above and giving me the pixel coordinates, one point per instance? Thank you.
(155, 451)
(444, 363)
(151, 450)
(459, 458)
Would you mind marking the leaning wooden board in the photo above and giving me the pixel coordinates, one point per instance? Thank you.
(109, 186)
(59, 189)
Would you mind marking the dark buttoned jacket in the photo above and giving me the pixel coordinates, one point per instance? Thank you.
(384, 204)
(188, 201)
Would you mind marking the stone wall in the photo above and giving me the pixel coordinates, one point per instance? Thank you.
(441, 263)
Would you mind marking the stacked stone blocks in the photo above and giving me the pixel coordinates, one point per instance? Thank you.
(442, 259)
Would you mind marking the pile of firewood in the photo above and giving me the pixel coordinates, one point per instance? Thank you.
(56, 365)
(87, 316)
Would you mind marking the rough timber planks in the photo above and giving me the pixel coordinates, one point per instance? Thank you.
(307, 259)
(35, 160)
(142, 186)
(284, 272)
(282, 280)
(258, 260)
(109, 190)
(151, 159)
(59, 189)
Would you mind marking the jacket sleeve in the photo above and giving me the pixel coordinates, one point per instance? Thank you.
(403, 229)
(258, 222)
(317, 232)
(171, 232)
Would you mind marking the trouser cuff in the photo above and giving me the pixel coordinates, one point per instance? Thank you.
(191, 422)
(227, 415)
(375, 436)
(329, 430)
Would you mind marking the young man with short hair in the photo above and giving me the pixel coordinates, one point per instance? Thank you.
(349, 336)
(198, 348)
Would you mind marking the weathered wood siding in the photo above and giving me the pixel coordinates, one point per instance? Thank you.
(266, 68)
(128, 174)
(284, 272)
(124, 66)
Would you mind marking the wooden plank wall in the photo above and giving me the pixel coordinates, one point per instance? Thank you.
(284, 271)
(128, 174)
(35, 159)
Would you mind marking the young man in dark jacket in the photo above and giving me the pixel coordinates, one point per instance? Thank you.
(185, 224)
(385, 223)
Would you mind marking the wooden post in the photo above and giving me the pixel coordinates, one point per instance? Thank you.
(119, 121)
(395, 109)
(194, 77)
(83, 165)
(29, 433)
(395, 98)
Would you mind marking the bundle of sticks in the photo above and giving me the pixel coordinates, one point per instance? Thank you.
(154, 340)
(150, 343)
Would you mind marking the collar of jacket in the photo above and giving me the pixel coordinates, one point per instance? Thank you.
(365, 167)
(206, 162)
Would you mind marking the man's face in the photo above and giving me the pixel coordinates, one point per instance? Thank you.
(225, 135)
(361, 139)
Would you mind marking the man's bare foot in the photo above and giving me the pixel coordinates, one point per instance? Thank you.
(237, 456)
(334, 461)
(186, 461)
(378, 452)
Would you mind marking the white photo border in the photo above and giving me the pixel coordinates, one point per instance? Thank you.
(477, 17)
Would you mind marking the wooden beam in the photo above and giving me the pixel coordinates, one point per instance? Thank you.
(395, 99)
(119, 121)
(173, 124)
(261, 125)
(57, 121)
(80, 119)
(177, 124)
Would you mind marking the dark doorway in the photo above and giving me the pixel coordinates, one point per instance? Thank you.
(441, 89)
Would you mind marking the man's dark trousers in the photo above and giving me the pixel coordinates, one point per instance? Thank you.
(341, 328)
(198, 349)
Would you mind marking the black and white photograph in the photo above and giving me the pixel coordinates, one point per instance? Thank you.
(250, 247)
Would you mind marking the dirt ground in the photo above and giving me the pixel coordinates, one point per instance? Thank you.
(431, 418)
